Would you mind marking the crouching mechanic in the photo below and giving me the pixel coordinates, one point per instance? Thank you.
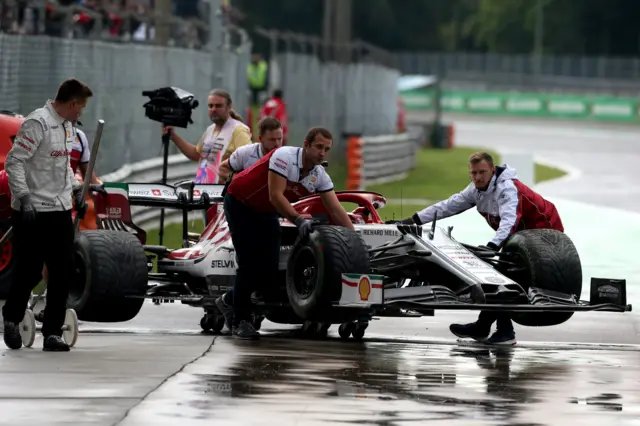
(43, 188)
(270, 137)
(508, 206)
(251, 206)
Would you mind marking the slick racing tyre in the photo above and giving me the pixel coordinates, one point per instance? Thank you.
(110, 267)
(316, 265)
(551, 262)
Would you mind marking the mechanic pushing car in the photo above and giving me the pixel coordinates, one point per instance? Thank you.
(270, 137)
(253, 201)
(43, 191)
(219, 140)
(508, 206)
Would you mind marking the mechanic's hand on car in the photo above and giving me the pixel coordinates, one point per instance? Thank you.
(27, 209)
(98, 187)
(80, 204)
(305, 226)
(489, 247)
(407, 221)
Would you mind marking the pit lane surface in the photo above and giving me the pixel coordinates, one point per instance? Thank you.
(158, 369)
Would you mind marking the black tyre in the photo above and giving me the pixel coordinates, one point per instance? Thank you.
(316, 265)
(552, 263)
(110, 266)
(7, 262)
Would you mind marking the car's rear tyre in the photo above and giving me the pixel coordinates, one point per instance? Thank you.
(110, 267)
(316, 265)
(551, 262)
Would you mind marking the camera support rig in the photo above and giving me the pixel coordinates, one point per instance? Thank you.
(170, 106)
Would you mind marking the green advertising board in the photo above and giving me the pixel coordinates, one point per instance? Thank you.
(597, 108)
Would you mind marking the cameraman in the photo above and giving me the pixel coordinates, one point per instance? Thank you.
(218, 142)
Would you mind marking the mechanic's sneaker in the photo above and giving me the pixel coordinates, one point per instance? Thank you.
(245, 330)
(502, 338)
(55, 343)
(12, 337)
(227, 312)
(470, 330)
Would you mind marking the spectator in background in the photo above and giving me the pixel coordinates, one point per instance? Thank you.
(257, 77)
(276, 108)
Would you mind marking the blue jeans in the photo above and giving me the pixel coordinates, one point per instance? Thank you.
(256, 240)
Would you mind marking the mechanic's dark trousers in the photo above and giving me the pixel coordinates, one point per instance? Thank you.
(47, 240)
(256, 239)
(487, 318)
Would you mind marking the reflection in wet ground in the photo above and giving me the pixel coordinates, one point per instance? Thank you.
(278, 382)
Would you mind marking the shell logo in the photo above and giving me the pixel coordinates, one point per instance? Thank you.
(313, 179)
(364, 288)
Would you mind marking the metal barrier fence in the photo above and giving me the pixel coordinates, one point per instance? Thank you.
(32, 67)
(351, 90)
(379, 159)
(552, 73)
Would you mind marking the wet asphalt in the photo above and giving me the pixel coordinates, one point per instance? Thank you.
(277, 381)
(159, 369)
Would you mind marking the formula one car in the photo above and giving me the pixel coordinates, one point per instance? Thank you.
(336, 276)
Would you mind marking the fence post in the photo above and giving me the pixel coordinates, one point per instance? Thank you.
(355, 161)
(451, 135)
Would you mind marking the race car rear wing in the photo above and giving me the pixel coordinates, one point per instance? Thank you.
(188, 196)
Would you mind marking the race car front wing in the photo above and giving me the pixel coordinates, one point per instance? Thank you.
(367, 291)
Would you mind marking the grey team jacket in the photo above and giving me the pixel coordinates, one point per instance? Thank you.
(38, 162)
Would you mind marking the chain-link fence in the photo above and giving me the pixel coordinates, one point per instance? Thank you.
(351, 89)
(32, 67)
(549, 73)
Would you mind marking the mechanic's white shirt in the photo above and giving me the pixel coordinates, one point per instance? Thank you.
(251, 186)
(245, 157)
(38, 162)
(287, 162)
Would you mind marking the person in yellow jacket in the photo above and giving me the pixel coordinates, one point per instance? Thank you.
(219, 141)
(257, 77)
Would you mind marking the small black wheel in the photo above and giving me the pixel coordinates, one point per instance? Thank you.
(256, 321)
(216, 322)
(358, 330)
(322, 328)
(345, 330)
(308, 328)
(205, 324)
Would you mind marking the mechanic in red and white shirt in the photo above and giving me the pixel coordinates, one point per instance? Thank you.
(80, 155)
(508, 206)
(253, 201)
(269, 136)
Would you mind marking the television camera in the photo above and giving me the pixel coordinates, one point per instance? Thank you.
(170, 106)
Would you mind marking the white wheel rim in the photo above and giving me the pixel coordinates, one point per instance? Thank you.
(28, 328)
(70, 336)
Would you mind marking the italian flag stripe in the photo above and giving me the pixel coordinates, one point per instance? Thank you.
(350, 281)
